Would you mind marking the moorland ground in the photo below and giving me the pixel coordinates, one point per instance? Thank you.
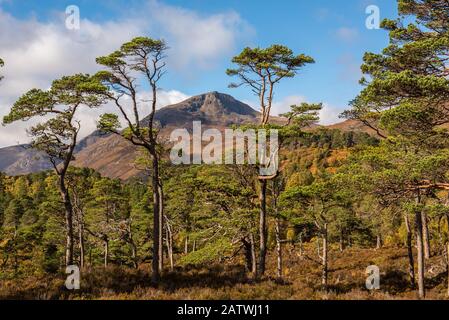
(301, 280)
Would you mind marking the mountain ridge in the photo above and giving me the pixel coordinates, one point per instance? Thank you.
(114, 157)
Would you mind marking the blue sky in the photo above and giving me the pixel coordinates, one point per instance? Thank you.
(333, 32)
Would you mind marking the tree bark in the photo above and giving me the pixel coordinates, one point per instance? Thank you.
(411, 261)
(68, 220)
(106, 251)
(79, 214)
(447, 267)
(158, 254)
(379, 242)
(426, 237)
(134, 255)
(250, 254)
(133, 244)
(420, 247)
(155, 275)
(253, 255)
(342, 242)
(16, 262)
(262, 228)
(446, 252)
(81, 242)
(278, 249)
(186, 245)
(169, 242)
(324, 257)
(318, 247)
(161, 226)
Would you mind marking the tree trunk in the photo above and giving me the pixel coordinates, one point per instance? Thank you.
(194, 246)
(186, 245)
(325, 258)
(79, 214)
(16, 262)
(447, 247)
(81, 242)
(447, 250)
(278, 249)
(253, 255)
(301, 249)
(169, 242)
(161, 226)
(342, 242)
(318, 247)
(379, 242)
(134, 255)
(262, 228)
(106, 251)
(248, 256)
(132, 243)
(155, 276)
(426, 237)
(420, 247)
(447, 267)
(411, 261)
(68, 221)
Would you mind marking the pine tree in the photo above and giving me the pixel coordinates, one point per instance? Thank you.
(262, 70)
(141, 57)
(319, 203)
(106, 214)
(58, 136)
(407, 97)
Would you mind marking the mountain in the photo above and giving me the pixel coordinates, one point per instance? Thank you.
(115, 157)
(212, 108)
(22, 159)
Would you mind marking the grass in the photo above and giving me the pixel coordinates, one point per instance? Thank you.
(230, 281)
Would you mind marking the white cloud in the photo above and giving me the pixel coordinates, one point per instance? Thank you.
(195, 40)
(329, 114)
(280, 106)
(347, 34)
(37, 52)
(284, 105)
(89, 117)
